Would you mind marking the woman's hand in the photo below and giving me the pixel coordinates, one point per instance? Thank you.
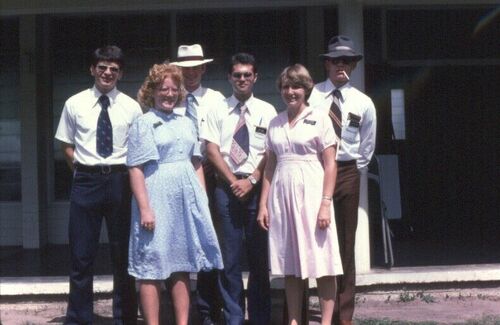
(324, 215)
(148, 220)
(263, 218)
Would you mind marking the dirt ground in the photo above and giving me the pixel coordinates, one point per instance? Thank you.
(449, 306)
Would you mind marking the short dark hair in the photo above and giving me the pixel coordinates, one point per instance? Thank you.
(242, 58)
(111, 53)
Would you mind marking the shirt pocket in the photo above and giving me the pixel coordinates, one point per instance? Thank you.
(259, 136)
(350, 131)
(121, 127)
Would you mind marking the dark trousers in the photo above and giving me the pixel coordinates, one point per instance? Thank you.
(346, 201)
(208, 299)
(94, 196)
(238, 220)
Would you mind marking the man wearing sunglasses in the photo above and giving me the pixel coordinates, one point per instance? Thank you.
(93, 131)
(235, 137)
(354, 120)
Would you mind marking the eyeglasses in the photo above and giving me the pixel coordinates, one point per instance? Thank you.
(338, 61)
(171, 90)
(102, 68)
(238, 75)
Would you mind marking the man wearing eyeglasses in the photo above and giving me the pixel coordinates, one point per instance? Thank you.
(354, 120)
(235, 136)
(93, 131)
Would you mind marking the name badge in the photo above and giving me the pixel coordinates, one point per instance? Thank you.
(157, 124)
(311, 122)
(260, 129)
(354, 120)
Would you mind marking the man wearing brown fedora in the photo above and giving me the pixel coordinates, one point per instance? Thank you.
(354, 120)
(199, 101)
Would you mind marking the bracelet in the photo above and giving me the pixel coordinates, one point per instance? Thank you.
(324, 197)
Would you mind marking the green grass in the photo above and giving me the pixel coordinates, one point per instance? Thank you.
(487, 320)
(385, 321)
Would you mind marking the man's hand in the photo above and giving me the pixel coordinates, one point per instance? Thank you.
(241, 188)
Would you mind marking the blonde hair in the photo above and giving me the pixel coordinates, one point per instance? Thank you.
(297, 76)
(157, 74)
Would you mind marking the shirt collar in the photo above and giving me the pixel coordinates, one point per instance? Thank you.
(305, 113)
(198, 93)
(111, 95)
(233, 102)
(166, 116)
(329, 87)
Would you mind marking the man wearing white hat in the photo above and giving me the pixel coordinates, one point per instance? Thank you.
(199, 101)
(354, 120)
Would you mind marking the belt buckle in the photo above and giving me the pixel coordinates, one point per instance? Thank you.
(105, 169)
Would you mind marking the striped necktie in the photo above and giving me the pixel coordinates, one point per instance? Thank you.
(191, 110)
(240, 144)
(335, 113)
(104, 132)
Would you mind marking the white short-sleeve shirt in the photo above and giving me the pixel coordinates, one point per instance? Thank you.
(358, 141)
(78, 125)
(206, 100)
(221, 123)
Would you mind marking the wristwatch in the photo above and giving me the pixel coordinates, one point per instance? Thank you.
(252, 180)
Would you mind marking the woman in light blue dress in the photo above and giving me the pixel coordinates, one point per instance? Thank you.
(171, 232)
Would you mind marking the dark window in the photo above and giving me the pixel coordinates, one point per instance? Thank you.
(443, 34)
(271, 36)
(10, 131)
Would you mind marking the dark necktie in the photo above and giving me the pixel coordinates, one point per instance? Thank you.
(104, 134)
(335, 113)
(191, 110)
(241, 144)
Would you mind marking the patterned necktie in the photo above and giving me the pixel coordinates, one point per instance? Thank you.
(241, 144)
(104, 134)
(191, 110)
(335, 113)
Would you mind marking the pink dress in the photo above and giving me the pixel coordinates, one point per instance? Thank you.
(296, 244)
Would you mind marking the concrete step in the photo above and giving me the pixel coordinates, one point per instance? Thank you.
(59, 285)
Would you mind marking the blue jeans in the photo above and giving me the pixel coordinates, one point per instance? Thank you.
(239, 221)
(93, 197)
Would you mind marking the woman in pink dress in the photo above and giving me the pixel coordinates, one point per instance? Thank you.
(296, 201)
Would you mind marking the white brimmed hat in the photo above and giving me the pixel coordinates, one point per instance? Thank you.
(190, 56)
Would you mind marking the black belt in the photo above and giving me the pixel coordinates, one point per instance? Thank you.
(342, 163)
(101, 169)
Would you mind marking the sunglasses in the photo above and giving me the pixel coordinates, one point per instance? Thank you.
(102, 68)
(238, 75)
(337, 61)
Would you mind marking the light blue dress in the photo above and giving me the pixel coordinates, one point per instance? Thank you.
(184, 238)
